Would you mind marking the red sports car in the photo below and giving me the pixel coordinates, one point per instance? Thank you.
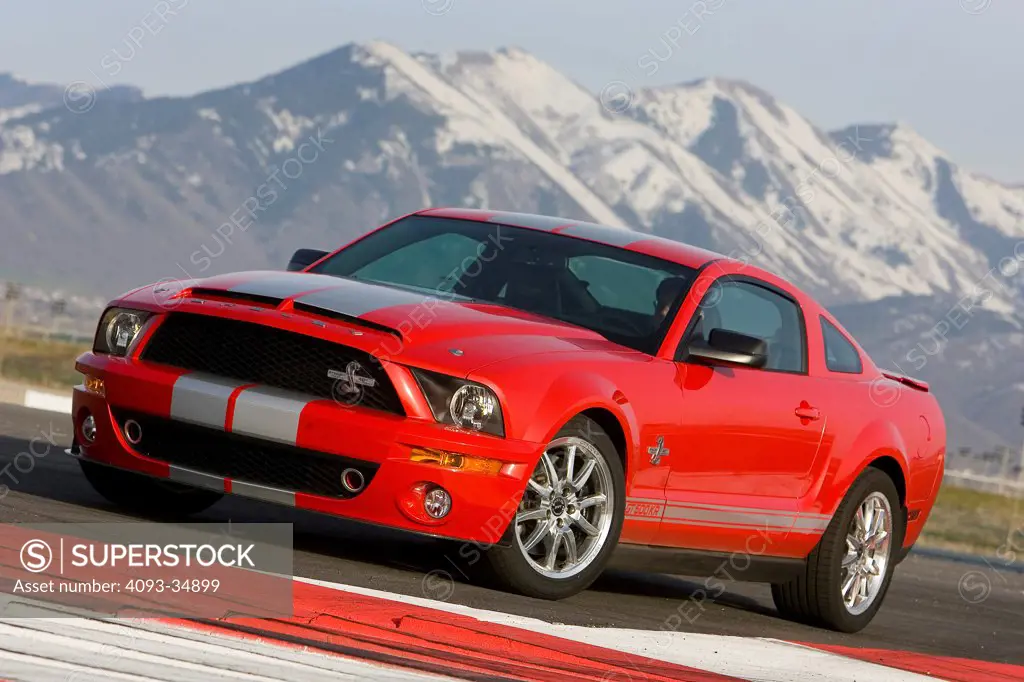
(564, 395)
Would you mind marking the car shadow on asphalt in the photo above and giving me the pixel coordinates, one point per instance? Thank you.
(694, 590)
(33, 468)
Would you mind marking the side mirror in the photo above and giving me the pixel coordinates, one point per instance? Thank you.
(303, 258)
(724, 347)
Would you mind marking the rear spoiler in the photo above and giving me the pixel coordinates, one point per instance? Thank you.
(906, 381)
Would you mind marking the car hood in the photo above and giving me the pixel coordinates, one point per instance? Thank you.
(433, 331)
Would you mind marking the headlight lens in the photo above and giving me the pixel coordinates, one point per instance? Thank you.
(472, 406)
(462, 403)
(118, 329)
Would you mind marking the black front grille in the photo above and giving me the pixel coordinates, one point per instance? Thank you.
(259, 354)
(245, 459)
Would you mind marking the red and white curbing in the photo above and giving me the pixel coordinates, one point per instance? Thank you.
(81, 650)
(746, 658)
(343, 632)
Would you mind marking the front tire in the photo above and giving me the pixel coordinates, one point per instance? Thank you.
(849, 572)
(147, 496)
(569, 519)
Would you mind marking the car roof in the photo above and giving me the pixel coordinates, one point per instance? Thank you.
(623, 238)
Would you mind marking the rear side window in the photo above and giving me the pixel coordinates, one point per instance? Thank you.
(840, 354)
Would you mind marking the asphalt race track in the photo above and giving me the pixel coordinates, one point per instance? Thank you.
(934, 606)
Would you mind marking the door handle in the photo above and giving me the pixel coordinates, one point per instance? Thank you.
(808, 412)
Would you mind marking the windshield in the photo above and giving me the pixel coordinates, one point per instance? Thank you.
(628, 298)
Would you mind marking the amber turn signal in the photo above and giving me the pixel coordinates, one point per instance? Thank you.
(454, 460)
(95, 385)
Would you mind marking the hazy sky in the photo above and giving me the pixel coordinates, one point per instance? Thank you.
(952, 69)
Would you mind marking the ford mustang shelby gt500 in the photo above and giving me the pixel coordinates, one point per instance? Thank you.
(565, 395)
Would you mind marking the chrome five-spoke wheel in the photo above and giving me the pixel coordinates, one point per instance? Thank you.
(867, 555)
(567, 510)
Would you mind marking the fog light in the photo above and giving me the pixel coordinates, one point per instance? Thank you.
(437, 503)
(89, 429)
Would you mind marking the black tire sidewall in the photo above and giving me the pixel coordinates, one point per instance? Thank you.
(833, 547)
(511, 568)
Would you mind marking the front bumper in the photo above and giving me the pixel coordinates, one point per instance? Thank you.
(482, 503)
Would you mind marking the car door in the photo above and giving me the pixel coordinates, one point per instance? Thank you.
(746, 440)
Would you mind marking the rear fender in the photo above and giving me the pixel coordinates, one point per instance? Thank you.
(879, 439)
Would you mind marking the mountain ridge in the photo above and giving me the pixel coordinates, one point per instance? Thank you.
(871, 215)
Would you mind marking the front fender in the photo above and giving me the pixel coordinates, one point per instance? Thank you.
(539, 402)
(574, 392)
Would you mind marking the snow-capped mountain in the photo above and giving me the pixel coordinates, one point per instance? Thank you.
(872, 216)
(859, 214)
(20, 98)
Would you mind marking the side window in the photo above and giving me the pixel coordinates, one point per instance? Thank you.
(747, 308)
(840, 354)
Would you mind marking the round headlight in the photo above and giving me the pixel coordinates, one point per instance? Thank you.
(472, 406)
(122, 330)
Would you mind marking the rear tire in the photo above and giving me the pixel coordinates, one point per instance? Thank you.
(817, 597)
(147, 496)
(568, 515)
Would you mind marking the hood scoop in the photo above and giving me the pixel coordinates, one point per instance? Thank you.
(263, 288)
(234, 296)
(326, 303)
(320, 311)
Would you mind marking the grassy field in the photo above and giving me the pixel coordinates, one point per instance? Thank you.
(974, 522)
(39, 362)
